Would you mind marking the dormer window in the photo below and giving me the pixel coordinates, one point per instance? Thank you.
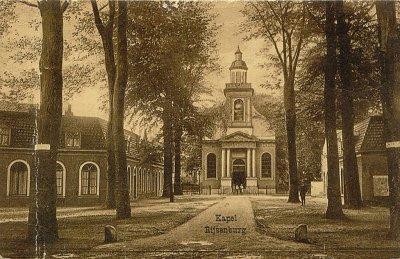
(5, 134)
(72, 140)
(238, 110)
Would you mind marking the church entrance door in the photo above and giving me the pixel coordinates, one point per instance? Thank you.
(239, 173)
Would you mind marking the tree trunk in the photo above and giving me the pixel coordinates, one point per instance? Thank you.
(42, 222)
(123, 207)
(110, 199)
(178, 153)
(168, 147)
(106, 33)
(334, 210)
(390, 92)
(352, 194)
(290, 113)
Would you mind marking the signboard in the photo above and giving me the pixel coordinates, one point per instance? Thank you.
(42, 147)
(381, 185)
(393, 144)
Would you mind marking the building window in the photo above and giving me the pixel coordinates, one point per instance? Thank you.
(19, 173)
(134, 183)
(129, 172)
(238, 110)
(211, 166)
(266, 165)
(89, 179)
(5, 136)
(60, 176)
(72, 140)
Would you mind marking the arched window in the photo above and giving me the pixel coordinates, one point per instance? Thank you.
(211, 166)
(89, 179)
(238, 110)
(60, 176)
(134, 182)
(19, 178)
(266, 165)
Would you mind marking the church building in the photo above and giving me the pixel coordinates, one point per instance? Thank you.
(241, 153)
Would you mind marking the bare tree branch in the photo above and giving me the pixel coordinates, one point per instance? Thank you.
(111, 15)
(289, 41)
(277, 17)
(64, 6)
(284, 45)
(270, 36)
(287, 44)
(28, 3)
(297, 54)
(299, 43)
(97, 19)
(104, 6)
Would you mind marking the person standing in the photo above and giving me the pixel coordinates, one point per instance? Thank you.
(303, 190)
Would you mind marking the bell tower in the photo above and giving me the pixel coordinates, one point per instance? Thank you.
(239, 95)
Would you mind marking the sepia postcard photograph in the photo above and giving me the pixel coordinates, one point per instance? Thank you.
(199, 129)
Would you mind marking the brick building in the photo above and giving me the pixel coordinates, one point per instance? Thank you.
(371, 160)
(81, 162)
(243, 152)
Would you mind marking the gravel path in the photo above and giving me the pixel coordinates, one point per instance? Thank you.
(234, 230)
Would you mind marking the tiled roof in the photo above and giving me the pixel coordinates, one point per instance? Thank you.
(16, 107)
(368, 134)
(22, 125)
(93, 130)
(374, 139)
(92, 136)
(360, 130)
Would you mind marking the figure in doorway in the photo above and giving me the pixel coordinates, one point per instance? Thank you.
(241, 189)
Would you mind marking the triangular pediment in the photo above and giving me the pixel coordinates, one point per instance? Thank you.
(239, 136)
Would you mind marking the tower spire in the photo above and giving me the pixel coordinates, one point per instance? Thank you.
(238, 54)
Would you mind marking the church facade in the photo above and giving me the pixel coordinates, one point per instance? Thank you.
(241, 154)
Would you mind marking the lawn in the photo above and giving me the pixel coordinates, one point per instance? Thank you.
(80, 229)
(363, 230)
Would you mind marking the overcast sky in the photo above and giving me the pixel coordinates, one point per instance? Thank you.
(229, 37)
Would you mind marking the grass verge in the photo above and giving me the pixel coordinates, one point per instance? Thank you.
(80, 231)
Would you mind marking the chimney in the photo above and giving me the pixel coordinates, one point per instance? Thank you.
(68, 112)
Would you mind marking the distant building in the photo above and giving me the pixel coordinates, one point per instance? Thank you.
(243, 152)
(371, 160)
(81, 163)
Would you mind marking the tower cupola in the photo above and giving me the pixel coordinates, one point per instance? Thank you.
(238, 95)
(238, 69)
